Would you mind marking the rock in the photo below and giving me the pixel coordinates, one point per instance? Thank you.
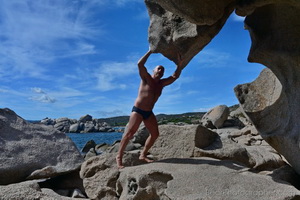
(172, 32)
(86, 118)
(29, 190)
(203, 178)
(90, 153)
(33, 150)
(85, 124)
(62, 124)
(115, 147)
(101, 148)
(215, 117)
(269, 110)
(100, 174)
(74, 128)
(141, 135)
(47, 121)
(259, 157)
(66, 182)
(78, 194)
(180, 141)
(104, 129)
(141, 186)
(91, 144)
(288, 174)
(89, 127)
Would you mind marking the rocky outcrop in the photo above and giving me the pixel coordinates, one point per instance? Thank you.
(201, 178)
(183, 178)
(264, 106)
(274, 108)
(86, 124)
(33, 151)
(185, 27)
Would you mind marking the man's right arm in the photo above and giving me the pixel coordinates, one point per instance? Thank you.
(141, 65)
(176, 74)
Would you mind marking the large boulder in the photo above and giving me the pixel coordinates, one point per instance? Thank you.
(202, 178)
(180, 141)
(85, 118)
(30, 151)
(74, 128)
(215, 117)
(171, 31)
(141, 135)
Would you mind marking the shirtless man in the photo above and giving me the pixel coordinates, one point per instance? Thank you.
(149, 91)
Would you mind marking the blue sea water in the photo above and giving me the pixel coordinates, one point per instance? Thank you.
(80, 139)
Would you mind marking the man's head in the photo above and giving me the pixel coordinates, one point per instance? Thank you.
(158, 71)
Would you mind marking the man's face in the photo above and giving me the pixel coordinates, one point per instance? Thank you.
(159, 71)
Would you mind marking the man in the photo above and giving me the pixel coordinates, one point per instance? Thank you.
(150, 90)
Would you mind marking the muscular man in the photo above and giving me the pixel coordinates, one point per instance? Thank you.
(150, 89)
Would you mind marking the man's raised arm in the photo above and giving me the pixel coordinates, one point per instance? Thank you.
(141, 65)
(176, 74)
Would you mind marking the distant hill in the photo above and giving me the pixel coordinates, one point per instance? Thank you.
(161, 118)
(115, 121)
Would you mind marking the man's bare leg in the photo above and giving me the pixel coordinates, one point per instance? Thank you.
(133, 125)
(152, 126)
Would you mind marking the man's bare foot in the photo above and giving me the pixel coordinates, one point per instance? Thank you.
(119, 162)
(144, 158)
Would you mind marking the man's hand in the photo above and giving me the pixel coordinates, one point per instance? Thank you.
(150, 50)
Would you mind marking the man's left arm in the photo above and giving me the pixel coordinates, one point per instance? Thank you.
(176, 74)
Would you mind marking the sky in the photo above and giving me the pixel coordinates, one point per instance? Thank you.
(69, 58)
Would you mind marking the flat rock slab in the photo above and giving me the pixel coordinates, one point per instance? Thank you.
(202, 178)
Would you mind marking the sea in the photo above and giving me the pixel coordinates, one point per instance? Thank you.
(80, 139)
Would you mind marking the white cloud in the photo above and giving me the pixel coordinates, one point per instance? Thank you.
(43, 97)
(36, 33)
(112, 75)
(213, 59)
(38, 90)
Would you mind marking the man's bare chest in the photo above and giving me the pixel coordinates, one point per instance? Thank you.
(155, 89)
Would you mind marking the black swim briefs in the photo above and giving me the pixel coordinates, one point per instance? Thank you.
(145, 114)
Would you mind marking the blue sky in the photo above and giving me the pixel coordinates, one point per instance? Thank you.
(68, 58)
